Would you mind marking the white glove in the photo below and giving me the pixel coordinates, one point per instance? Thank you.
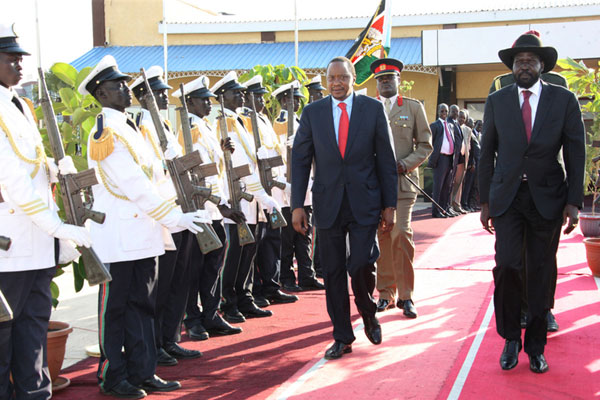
(270, 204)
(52, 170)
(173, 150)
(262, 153)
(67, 252)
(290, 141)
(66, 166)
(78, 234)
(190, 220)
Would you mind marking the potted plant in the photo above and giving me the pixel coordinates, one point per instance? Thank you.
(76, 117)
(585, 83)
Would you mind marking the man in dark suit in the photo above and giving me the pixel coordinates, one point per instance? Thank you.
(442, 161)
(355, 188)
(528, 192)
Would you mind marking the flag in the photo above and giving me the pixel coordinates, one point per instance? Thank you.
(372, 43)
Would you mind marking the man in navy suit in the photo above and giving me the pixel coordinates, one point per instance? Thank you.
(443, 161)
(355, 190)
(531, 173)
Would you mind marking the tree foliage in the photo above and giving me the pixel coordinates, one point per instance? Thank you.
(585, 83)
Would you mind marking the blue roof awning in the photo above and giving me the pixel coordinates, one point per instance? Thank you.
(225, 57)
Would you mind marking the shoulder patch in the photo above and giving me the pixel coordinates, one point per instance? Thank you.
(102, 143)
(138, 119)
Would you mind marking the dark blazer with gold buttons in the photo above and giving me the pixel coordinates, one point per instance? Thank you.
(412, 140)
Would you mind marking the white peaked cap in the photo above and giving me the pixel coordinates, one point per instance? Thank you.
(105, 70)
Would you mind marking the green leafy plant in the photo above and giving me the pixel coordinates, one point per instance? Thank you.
(585, 83)
(76, 117)
(273, 78)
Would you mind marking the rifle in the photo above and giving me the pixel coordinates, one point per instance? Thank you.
(71, 186)
(425, 194)
(5, 311)
(198, 173)
(236, 192)
(179, 170)
(265, 167)
(290, 133)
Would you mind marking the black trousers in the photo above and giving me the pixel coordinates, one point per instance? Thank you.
(205, 280)
(23, 339)
(522, 230)
(468, 187)
(267, 263)
(238, 276)
(442, 182)
(174, 275)
(298, 245)
(126, 318)
(357, 260)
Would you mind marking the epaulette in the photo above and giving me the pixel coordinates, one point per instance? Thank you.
(195, 130)
(102, 143)
(29, 103)
(247, 122)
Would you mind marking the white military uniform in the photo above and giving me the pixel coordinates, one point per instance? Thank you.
(28, 213)
(245, 154)
(206, 143)
(128, 194)
(161, 177)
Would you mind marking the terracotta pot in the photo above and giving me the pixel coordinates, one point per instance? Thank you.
(589, 224)
(592, 251)
(57, 341)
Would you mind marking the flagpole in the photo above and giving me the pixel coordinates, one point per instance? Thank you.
(165, 50)
(296, 32)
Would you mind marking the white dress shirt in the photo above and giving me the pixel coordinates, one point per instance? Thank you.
(337, 112)
(534, 99)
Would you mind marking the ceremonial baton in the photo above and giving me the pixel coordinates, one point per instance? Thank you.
(426, 195)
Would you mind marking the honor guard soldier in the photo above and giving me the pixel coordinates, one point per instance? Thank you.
(238, 303)
(267, 263)
(294, 243)
(412, 145)
(130, 239)
(205, 279)
(40, 240)
(315, 89)
(173, 271)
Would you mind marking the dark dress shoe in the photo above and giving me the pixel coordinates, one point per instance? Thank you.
(125, 390)
(156, 384)
(538, 364)
(439, 215)
(510, 355)
(255, 312)
(291, 287)
(523, 321)
(551, 321)
(279, 297)
(180, 353)
(337, 350)
(164, 359)
(408, 308)
(197, 332)
(235, 317)
(372, 329)
(312, 284)
(222, 328)
(384, 304)
(261, 301)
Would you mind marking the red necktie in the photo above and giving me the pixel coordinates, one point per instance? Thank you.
(343, 129)
(526, 111)
(449, 137)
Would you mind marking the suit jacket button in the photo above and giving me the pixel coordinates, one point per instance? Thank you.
(135, 215)
(11, 211)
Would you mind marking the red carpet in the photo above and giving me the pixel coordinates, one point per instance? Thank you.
(280, 357)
